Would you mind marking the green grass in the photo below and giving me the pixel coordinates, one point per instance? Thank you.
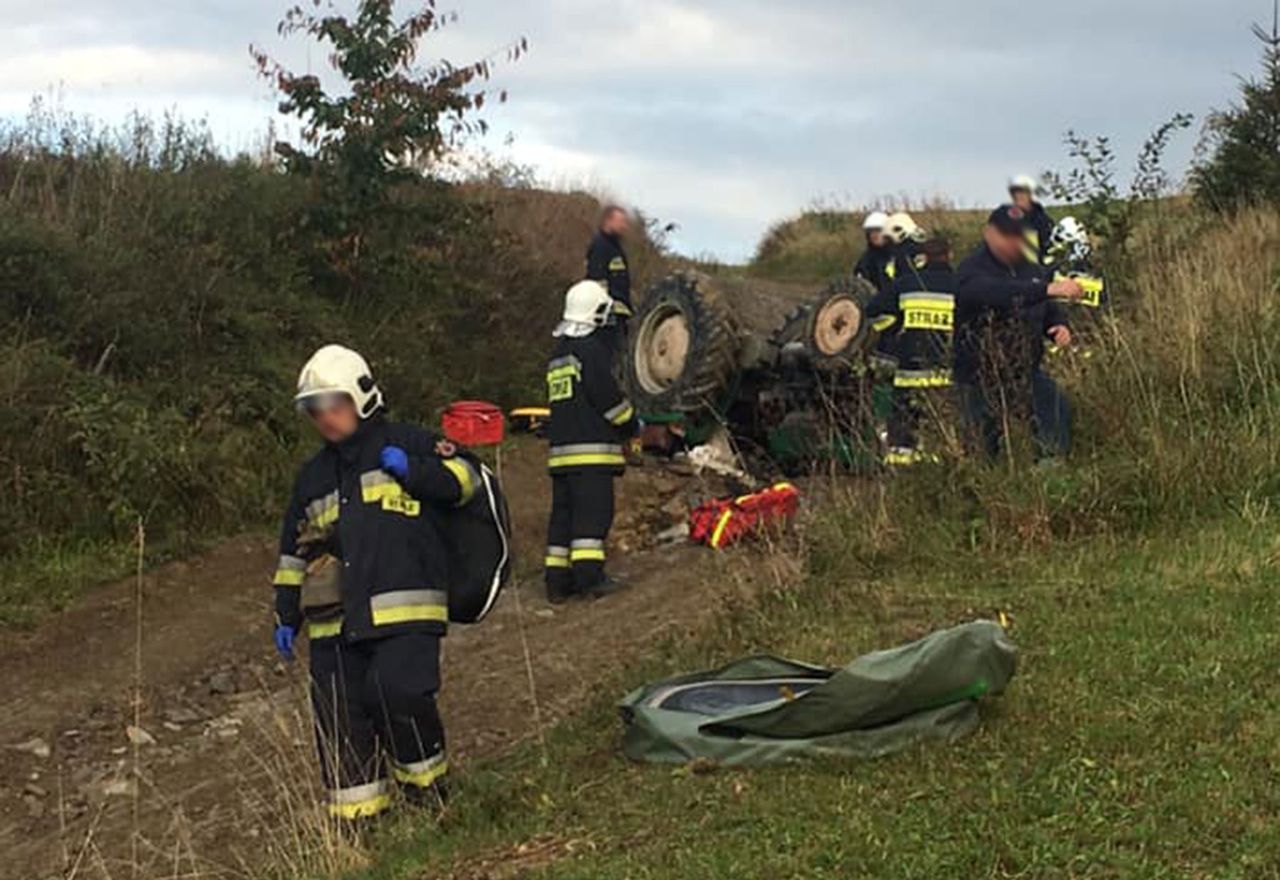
(1139, 738)
(822, 244)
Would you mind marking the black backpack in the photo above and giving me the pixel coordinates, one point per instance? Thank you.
(480, 552)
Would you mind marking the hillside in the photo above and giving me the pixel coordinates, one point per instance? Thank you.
(822, 244)
(156, 301)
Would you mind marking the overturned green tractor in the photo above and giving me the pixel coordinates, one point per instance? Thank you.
(782, 372)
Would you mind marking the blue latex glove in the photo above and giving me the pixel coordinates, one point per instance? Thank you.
(395, 461)
(284, 641)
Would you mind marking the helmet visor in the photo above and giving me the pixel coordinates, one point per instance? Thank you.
(322, 402)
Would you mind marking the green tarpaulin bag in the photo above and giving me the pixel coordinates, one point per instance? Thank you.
(767, 710)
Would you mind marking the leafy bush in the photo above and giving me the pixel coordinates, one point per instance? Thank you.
(1243, 142)
(157, 300)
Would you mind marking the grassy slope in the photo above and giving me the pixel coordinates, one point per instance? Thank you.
(819, 245)
(1138, 740)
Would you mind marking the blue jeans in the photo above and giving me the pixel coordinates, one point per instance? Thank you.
(986, 411)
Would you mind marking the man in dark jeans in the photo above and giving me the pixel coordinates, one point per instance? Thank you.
(1004, 314)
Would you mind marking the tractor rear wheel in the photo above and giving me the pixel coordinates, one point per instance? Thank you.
(832, 329)
(683, 349)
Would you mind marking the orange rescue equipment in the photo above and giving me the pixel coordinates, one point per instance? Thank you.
(726, 521)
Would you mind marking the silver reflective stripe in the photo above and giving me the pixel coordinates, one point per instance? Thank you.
(320, 505)
(371, 479)
(291, 563)
(618, 410)
(558, 552)
(358, 793)
(566, 361)
(588, 544)
(421, 766)
(944, 299)
(399, 598)
(587, 449)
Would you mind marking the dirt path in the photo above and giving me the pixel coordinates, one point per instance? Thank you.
(222, 721)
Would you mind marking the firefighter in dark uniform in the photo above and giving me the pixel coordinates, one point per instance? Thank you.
(363, 566)
(1039, 224)
(921, 305)
(591, 420)
(607, 264)
(1005, 312)
(873, 265)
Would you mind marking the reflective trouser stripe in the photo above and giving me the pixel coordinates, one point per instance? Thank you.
(557, 557)
(421, 774)
(587, 550)
(359, 801)
(290, 571)
(323, 629)
(586, 454)
(409, 606)
(466, 476)
(922, 379)
(568, 461)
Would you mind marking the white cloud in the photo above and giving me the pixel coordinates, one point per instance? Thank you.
(88, 69)
(720, 114)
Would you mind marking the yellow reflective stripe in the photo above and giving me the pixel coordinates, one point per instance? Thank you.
(421, 773)
(621, 308)
(603, 458)
(359, 801)
(557, 562)
(411, 614)
(882, 323)
(721, 525)
(465, 474)
(623, 417)
(324, 629)
(922, 379)
(587, 555)
(288, 577)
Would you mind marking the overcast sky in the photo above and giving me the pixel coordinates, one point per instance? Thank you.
(720, 115)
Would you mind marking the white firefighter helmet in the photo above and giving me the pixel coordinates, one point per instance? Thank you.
(902, 227)
(336, 371)
(1023, 182)
(875, 220)
(1070, 239)
(587, 307)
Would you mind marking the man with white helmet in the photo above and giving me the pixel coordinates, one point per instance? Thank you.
(1022, 193)
(590, 421)
(363, 565)
(875, 260)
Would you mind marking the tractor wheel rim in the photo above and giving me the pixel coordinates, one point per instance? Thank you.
(662, 349)
(836, 326)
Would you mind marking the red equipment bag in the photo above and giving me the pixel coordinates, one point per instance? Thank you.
(473, 423)
(726, 521)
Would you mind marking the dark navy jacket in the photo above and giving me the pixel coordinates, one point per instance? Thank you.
(386, 535)
(1002, 316)
(921, 307)
(607, 263)
(873, 265)
(590, 416)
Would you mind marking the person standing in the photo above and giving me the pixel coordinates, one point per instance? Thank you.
(1005, 312)
(874, 263)
(1039, 224)
(363, 565)
(921, 306)
(591, 420)
(607, 261)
